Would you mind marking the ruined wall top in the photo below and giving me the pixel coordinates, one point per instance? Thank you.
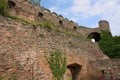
(36, 13)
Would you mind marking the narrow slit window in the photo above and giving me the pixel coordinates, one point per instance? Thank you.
(74, 27)
(11, 4)
(60, 22)
(40, 14)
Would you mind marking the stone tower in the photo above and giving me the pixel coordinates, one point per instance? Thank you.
(104, 25)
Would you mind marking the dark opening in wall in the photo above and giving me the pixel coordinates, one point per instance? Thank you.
(40, 14)
(107, 74)
(11, 4)
(94, 35)
(75, 70)
(74, 27)
(60, 22)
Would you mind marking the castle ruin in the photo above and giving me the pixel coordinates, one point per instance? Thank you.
(23, 48)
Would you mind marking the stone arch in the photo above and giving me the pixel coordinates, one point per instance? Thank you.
(94, 35)
(11, 4)
(40, 14)
(75, 70)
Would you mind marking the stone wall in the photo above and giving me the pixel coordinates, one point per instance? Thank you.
(35, 13)
(23, 49)
(103, 67)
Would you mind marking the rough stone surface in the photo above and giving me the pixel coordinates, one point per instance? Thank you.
(99, 66)
(23, 48)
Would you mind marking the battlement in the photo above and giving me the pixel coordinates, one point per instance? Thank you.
(34, 13)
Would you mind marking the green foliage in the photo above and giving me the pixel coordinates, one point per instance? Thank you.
(47, 24)
(69, 79)
(57, 63)
(35, 2)
(25, 21)
(3, 7)
(41, 35)
(110, 45)
(10, 77)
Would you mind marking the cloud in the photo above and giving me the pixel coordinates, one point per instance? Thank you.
(106, 9)
(82, 11)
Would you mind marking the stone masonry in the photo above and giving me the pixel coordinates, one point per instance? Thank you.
(23, 48)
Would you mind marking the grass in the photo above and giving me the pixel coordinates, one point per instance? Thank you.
(3, 11)
(41, 35)
(3, 7)
(10, 77)
(45, 24)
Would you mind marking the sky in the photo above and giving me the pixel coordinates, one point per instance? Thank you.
(87, 12)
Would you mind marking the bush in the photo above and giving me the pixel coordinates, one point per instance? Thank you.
(110, 45)
(57, 63)
(3, 7)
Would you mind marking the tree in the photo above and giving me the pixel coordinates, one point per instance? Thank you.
(57, 63)
(35, 2)
(110, 45)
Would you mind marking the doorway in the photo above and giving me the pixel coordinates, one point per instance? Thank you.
(75, 70)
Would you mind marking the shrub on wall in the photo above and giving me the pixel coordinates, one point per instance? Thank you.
(3, 7)
(57, 63)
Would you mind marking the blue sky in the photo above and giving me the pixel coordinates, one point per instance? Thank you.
(88, 12)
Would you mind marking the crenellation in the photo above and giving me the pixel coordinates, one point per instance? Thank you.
(44, 14)
(37, 7)
(66, 19)
(47, 11)
(26, 3)
(54, 14)
(60, 17)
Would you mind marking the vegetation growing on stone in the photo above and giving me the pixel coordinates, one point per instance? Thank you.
(11, 77)
(110, 45)
(3, 7)
(46, 24)
(57, 63)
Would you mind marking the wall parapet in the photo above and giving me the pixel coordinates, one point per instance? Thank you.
(36, 13)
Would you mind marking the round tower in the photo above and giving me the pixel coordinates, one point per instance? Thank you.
(104, 25)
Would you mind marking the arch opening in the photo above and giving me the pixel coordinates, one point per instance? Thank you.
(94, 35)
(74, 27)
(60, 22)
(75, 70)
(40, 14)
(11, 4)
